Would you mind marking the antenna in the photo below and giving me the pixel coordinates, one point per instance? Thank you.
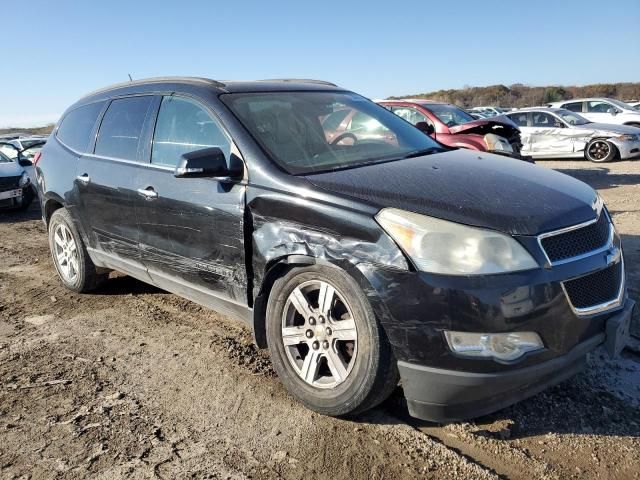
(130, 79)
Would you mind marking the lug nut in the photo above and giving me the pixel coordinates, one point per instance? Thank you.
(309, 333)
(315, 345)
(321, 318)
(312, 321)
(325, 345)
(328, 331)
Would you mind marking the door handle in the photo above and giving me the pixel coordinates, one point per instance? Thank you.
(149, 193)
(83, 178)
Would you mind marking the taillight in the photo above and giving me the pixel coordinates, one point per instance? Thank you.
(36, 158)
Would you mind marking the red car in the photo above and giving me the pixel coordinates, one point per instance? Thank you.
(454, 127)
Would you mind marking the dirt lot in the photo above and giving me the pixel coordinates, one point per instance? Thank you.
(135, 382)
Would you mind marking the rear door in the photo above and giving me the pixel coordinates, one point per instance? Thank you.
(105, 182)
(191, 229)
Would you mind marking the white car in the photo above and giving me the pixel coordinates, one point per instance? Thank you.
(602, 110)
(489, 111)
(559, 133)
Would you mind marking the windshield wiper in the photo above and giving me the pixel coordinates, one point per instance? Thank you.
(426, 151)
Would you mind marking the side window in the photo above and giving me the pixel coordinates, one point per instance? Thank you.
(121, 127)
(184, 126)
(597, 106)
(411, 115)
(574, 106)
(76, 126)
(519, 119)
(541, 119)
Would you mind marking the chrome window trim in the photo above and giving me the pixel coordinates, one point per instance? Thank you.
(130, 162)
(609, 243)
(602, 307)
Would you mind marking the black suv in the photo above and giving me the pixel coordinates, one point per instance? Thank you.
(360, 260)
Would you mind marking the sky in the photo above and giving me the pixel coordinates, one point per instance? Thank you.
(61, 49)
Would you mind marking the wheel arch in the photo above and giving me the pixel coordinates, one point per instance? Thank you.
(51, 204)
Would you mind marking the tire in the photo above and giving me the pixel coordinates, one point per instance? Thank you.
(27, 199)
(599, 150)
(369, 370)
(74, 266)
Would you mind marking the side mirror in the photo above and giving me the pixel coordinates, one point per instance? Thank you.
(209, 163)
(25, 162)
(558, 125)
(612, 111)
(426, 128)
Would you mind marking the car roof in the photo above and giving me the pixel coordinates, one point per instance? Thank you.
(540, 109)
(227, 86)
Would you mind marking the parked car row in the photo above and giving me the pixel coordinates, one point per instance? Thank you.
(600, 130)
(456, 128)
(17, 173)
(361, 251)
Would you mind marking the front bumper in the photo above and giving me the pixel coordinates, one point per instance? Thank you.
(448, 395)
(627, 150)
(8, 199)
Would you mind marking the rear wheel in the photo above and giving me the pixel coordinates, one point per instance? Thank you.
(326, 344)
(73, 264)
(599, 150)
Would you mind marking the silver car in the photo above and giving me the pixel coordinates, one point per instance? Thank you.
(560, 133)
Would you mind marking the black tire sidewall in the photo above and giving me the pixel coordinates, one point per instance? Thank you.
(349, 395)
(612, 151)
(61, 216)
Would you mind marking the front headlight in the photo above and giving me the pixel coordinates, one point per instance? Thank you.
(496, 143)
(24, 180)
(627, 137)
(439, 246)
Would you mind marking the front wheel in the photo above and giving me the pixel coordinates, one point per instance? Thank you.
(326, 344)
(600, 151)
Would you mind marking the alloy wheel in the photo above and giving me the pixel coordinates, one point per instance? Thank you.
(319, 334)
(599, 150)
(66, 253)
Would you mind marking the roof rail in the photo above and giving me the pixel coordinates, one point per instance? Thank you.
(298, 80)
(144, 81)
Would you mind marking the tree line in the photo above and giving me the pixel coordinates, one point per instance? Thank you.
(519, 95)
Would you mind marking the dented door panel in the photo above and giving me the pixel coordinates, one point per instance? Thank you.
(194, 231)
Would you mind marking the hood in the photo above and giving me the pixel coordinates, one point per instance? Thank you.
(472, 188)
(610, 127)
(10, 169)
(499, 125)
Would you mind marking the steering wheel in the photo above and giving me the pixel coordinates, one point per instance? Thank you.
(344, 135)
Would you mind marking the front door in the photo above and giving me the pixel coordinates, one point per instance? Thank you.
(191, 229)
(105, 183)
(549, 136)
(600, 111)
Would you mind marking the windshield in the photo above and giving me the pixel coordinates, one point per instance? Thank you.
(620, 104)
(29, 143)
(307, 132)
(572, 118)
(450, 115)
(4, 158)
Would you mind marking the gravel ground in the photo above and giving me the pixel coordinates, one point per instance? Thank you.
(133, 382)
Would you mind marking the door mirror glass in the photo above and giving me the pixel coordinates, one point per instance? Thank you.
(208, 163)
(24, 162)
(425, 127)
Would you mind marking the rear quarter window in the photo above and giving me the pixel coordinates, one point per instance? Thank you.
(76, 126)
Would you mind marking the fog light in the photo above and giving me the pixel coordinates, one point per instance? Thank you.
(500, 346)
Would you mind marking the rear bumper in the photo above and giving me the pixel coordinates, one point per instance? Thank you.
(448, 395)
